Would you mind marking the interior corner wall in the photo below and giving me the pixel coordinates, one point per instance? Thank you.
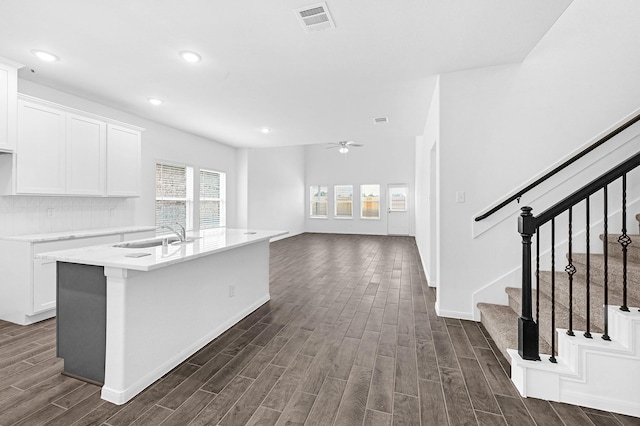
(159, 143)
(426, 200)
(503, 125)
(276, 189)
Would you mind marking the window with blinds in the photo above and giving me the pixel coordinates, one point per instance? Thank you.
(318, 201)
(370, 201)
(343, 195)
(174, 195)
(212, 199)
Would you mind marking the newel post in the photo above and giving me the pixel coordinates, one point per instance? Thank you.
(527, 327)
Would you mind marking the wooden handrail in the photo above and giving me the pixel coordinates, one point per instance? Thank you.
(562, 166)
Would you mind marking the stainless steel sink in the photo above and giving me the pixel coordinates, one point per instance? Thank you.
(145, 244)
(154, 243)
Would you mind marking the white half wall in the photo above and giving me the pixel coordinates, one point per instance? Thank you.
(500, 126)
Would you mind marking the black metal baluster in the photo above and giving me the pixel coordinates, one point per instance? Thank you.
(538, 276)
(571, 270)
(527, 328)
(552, 358)
(624, 241)
(587, 333)
(605, 254)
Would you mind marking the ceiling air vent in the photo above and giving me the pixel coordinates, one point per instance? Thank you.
(315, 17)
(381, 120)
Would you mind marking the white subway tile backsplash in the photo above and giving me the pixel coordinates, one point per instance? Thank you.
(33, 215)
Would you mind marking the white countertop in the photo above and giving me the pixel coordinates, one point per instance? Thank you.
(206, 243)
(84, 233)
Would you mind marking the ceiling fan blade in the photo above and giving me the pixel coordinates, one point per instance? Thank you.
(356, 144)
(335, 146)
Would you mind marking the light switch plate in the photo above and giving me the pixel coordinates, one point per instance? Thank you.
(460, 197)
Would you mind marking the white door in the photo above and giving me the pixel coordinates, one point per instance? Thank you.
(398, 209)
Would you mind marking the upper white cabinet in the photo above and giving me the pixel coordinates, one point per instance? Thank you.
(8, 99)
(40, 163)
(86, 144)
(62, 151)
(123, 161)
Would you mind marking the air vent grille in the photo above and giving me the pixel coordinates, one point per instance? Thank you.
(315, 17)
(380, 120)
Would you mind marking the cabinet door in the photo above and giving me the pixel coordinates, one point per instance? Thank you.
(85, 155)
(123, 161)
(44, 285)
(8, 97)
(40, 153)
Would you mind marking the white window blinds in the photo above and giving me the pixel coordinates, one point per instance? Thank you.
(212, 199)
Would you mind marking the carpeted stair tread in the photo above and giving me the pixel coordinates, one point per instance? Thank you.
(580, 297)
(596, 273)
(615, 249)
(502, 324)
(544, 322)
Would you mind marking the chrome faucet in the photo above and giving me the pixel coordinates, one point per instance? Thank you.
(181, 235)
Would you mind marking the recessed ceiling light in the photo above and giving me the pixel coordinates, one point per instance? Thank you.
(45, 56)
(154, 101)
(265, 130)
(190, 57)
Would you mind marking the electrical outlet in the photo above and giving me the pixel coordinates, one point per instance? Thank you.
(51, 212)
(112, 212)
(232, 290)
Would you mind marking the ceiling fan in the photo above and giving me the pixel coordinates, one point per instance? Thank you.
(343, 146)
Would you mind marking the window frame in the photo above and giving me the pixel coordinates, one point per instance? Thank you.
(188, 199)
(311, 201)
(222, 199)
(362, 201)
(336, 202)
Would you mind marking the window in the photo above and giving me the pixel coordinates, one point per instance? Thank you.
(343, 201)
(212, 199)
(174, 195)
(318, 201)
(370, 201)
(398, 198)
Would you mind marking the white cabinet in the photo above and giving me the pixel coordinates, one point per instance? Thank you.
(123, 161)
(85, 155)
(62, 151)
(8, 98)
(28, 284)
(40, 160)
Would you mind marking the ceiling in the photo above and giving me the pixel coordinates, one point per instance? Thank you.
(260, 68)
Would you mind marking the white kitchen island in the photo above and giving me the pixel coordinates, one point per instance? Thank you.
(127, 321)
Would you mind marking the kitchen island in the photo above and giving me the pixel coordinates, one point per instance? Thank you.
(128, 315)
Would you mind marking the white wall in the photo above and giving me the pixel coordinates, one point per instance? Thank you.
(426, 199)
(501, 126)
(391, 163)
(275, 188)
(159, 143)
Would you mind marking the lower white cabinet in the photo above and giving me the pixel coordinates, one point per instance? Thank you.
(28, 284)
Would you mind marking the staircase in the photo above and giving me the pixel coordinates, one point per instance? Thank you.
(501, 322)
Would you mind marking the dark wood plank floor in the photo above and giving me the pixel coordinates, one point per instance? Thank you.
(350, 337)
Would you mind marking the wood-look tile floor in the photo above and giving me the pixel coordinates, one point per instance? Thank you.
(350, 337)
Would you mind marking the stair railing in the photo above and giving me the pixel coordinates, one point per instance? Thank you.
(529, 225)
(516, 195)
